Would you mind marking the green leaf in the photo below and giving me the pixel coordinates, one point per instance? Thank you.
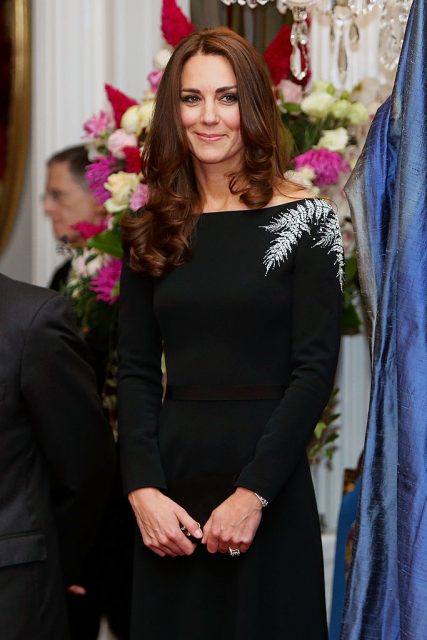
(350, 268)
(331, 437)
(291, 107)
(350, 319)
(329, 452)
(107, 242)
(320, 427)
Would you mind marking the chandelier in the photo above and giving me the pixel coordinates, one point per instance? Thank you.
(344, 30)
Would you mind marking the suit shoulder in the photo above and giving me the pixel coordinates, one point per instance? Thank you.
(20, 301)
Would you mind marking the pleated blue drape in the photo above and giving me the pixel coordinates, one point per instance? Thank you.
(387, 591)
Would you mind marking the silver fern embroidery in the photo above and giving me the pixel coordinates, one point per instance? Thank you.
(290, 225)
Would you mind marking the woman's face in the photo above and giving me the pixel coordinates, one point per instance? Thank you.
(210, 111)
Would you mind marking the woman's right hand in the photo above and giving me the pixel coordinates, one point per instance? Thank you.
(159, 520)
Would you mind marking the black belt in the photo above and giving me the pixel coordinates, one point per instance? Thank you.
(224, 392)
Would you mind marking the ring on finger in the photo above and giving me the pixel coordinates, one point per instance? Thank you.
(233, 553)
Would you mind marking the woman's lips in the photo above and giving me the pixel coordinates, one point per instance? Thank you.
(209, 137)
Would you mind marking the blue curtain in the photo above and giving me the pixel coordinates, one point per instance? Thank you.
(387, 592)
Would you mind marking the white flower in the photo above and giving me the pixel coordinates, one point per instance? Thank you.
(121, 185)
(86, 264)
(161, 59)
(358, 113)
(333, 139)
(137, 117)
(317, 104)
(340, 109)
(303, 176)
(119, 140)
(324, 87)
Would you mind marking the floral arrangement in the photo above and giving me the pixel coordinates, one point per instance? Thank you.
(325, 127)
(114, 139)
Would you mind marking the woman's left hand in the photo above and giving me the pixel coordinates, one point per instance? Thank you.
(234, 523)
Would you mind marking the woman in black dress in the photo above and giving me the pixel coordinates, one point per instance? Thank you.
(236, 275)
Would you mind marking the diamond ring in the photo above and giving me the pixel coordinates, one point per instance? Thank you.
(234, 553)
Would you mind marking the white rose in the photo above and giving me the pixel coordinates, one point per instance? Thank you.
(161, 59)
(317, 104)
(358, 113)
(137, 117)
(333, 139)
(121, 185)
(303, 176)
(340, 109)
(130, 120)
(146, 111)
(323, 87)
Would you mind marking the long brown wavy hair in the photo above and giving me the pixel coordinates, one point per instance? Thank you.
(159, 239)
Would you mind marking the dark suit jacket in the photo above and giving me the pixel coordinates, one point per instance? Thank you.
(56, 460)
(60, 276)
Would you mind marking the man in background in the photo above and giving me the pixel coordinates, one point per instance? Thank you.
(56, 460)
(106, 580)
(68, 200)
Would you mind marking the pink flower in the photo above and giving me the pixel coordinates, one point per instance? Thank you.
(98, 124)
(326, 164)
(120, 139)
(106, 283)
(291, 92)
(97, 173)
(88, 229)
(139, 197)
(154, 79)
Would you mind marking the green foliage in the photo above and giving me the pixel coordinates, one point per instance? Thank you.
(351, 321)
(321, 446)
(108, 241)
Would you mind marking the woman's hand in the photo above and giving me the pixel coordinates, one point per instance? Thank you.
(233, 523)
(159, 520)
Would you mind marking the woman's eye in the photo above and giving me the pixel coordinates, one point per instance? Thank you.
(190, 99)
(230, 97)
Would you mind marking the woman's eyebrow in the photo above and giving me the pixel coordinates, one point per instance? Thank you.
(219, 90)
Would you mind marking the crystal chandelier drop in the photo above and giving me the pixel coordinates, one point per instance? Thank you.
(344, 30)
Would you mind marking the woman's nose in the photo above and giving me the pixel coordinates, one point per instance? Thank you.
(209, 112)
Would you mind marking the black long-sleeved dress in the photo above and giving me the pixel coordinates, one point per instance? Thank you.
(257, 307)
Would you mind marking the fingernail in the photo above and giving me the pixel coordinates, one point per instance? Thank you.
(198, 533)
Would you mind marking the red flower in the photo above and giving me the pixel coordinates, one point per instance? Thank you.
(88, 229)
(132, 159)
(278, 53)
(119, 101)
(175, 26)
(278, 57)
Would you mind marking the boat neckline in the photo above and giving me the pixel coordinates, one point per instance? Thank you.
(273, 206)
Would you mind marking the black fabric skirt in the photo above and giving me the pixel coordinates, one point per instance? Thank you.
(276, 589)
